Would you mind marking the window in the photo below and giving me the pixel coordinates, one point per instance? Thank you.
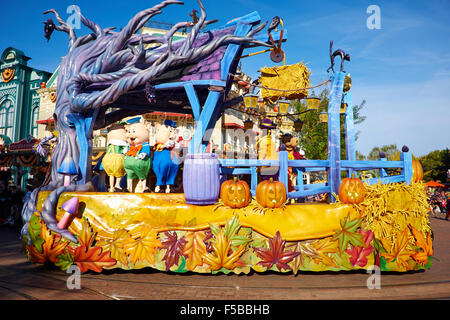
(34, 118)
(6, 118)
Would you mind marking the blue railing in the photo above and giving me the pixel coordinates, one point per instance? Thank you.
(249, 166)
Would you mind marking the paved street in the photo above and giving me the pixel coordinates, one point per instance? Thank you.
(22, 280)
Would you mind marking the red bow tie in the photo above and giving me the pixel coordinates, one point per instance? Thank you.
(134, 150)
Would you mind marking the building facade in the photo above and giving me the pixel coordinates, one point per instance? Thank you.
(19, 113)
(19, 99)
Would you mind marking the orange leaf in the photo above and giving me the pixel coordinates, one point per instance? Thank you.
(92, 258)
(399, 252)
(222, 248)
(51, 248)
(195, 249)
(425, 245)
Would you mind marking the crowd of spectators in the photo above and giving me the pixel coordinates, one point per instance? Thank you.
(11, 203)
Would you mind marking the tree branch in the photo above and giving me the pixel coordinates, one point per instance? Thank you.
(63, 27)
(135, 23)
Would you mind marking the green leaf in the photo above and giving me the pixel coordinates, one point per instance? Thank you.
(182, 267)
(348, 234)
(214, 229)
(34, 231)
(65, 260)
(231, 232)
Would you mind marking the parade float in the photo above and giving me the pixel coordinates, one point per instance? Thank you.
(219, 223)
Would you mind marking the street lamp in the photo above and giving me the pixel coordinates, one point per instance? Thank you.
(251, 100)
(323, 117)
(283, 106)
(312, 102)
(343, 108)
(298, 125)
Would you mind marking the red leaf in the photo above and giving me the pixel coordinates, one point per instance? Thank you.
(276, 254)
(174, 248)
(358, 255)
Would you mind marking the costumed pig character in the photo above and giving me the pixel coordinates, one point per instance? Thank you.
(114, 157)
(267, 150)
(289, 143)
(137, 161)
(165, 157)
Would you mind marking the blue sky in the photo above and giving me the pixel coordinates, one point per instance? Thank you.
(402, 70)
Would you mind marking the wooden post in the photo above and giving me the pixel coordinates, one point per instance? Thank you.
(406, 157)
(334, 134)
(349, 131)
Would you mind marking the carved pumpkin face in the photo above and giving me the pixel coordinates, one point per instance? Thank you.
(271, 194)
(8, 74)
(417, 171)
(352, 190)
(53, 96)
(235, 193)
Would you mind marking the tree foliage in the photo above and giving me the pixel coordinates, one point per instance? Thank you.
(314, 139)
(435, 165)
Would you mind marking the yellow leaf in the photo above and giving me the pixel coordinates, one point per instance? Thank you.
(399, 252)
(324, 246)
(143, 246)
(222, 247)
(116, 245)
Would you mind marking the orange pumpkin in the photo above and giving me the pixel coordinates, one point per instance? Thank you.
(235, 193)
(352, 190)
(271, 194)
(417, 171)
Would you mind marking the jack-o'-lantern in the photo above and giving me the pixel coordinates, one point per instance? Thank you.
(352, 190)
(271, 194)
(53, 96)
(235, 193)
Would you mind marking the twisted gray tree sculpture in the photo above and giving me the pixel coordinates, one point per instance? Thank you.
(119, 60)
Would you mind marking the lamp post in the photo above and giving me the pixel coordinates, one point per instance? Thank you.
(251, 100)
(323, 117)
(312, 102)
(298, 125)
(283, 106)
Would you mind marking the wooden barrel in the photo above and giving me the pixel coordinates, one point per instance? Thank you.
(201, 178)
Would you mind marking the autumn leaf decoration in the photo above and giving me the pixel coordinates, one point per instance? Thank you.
(52, 246)
(223, 255)
(276, 254)
(87, 256)
(425, 245)
(195, 249)
(115, 245)
(358, 255)
(399, 251)
(174, 248)
(348, 234)
(142, 246)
